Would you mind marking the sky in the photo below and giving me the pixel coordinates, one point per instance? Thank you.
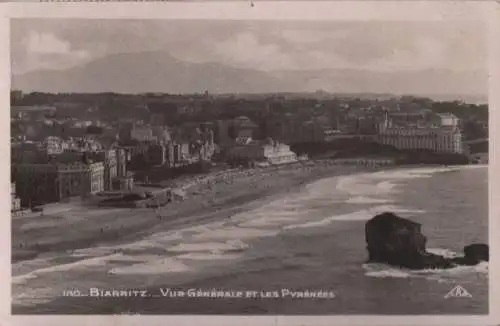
(38, 44)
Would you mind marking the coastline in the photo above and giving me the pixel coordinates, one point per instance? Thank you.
(206, 201)
(240, 190)
(209, 279)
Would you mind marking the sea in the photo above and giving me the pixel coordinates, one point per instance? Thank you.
(302, 253)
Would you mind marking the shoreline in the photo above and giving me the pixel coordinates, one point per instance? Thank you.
(207, 202)
(175, 306)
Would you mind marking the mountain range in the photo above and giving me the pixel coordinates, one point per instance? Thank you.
(159, 72)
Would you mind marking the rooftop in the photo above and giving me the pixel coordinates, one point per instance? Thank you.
(33, 108)
(446, 115)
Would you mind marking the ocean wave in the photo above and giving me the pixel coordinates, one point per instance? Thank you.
(440, 275)
(153, 266)
(443, 252)
(81, 264)
(385, 186)
(368, 183)
(208, 256)
(234, 233)
(384, 271)
(365, 186)
(211, 247)
(166, 236)
(32, 297)
(361, 215)
(263, 222)
(367, 200)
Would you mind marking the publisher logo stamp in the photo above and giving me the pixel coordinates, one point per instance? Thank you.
(458, 292)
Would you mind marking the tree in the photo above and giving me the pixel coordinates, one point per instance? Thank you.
(473, 130)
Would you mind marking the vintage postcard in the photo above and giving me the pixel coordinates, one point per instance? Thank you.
(251, 159)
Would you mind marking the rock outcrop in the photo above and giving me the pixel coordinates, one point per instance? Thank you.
(473, 254)
(399, 242)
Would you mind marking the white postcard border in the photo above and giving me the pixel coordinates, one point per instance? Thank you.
(263, 10)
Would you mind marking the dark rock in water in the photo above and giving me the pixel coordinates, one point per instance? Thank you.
(398, 241)
(477, 251)
(474, 254)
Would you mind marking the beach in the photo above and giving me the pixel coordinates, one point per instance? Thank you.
(308, 237)
(209, 197)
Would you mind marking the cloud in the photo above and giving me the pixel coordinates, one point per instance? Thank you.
(46, 43)
(422, 53)
(43, 50)
(307, 36)
(61, 43)
(246, 50)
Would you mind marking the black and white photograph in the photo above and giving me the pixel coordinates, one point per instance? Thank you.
(249, 167)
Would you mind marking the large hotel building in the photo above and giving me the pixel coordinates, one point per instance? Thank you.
(442, 135)
(51, 182)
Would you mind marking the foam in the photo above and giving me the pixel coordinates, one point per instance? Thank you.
(270, 221)
(361, 215)
(33, 297)
(234, 233)
(166, 236)
(443, 252)
(403, 211)
(439, 275)
(29, 265)
(400, 175)
(385, 186)
(361, 184)
(95, 251)
(143, 244)
(384, 271)
(154, 266)
(208, 256)
(481, 268)
(98, 261)
(230, 245)
(201, 228)
(22, 279)
(367, 200)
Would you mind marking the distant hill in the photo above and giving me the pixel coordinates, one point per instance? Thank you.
(147, 72)
(159, 72)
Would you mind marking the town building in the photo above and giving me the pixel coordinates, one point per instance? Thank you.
(54, 145)
(285, 128)
(161, 134)
(223, 136)
(407, 116)
(109, 159)
(446, 120)
(156, 154)
(142, 133)
(15, 201)
(27, 152)
(244, 126)
(33, 112)
(170, 157)
(445, 138)
(239, 128)
(52, 182)
(16, 96)
(121, 162)
(309, 131)
(269, 151)
(124, 183)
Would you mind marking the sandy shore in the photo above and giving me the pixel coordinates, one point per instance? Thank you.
(210, 197)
